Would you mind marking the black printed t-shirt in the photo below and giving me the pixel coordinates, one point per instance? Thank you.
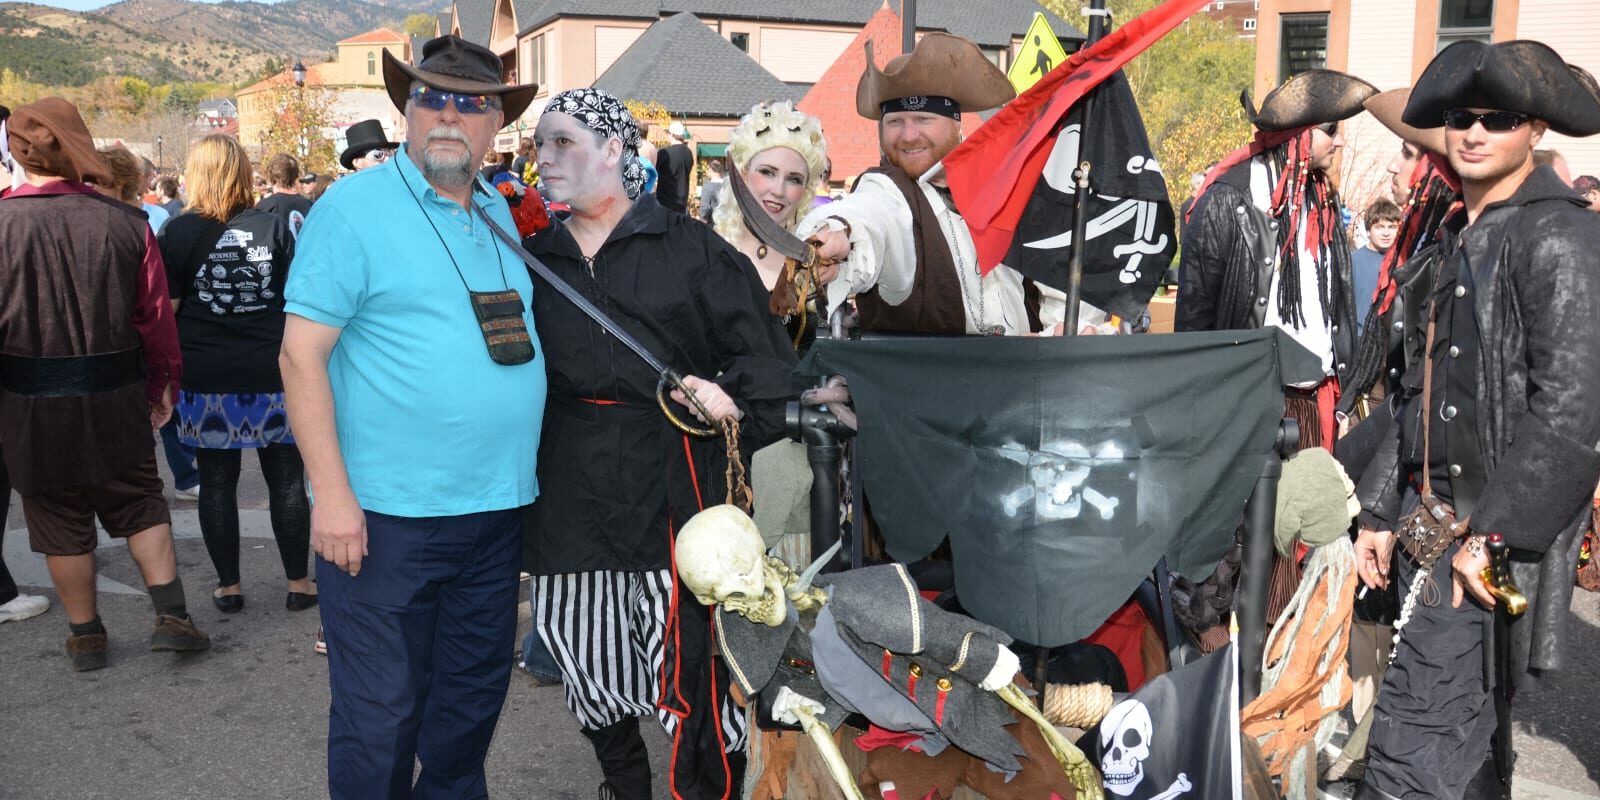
(230, 280)
(291, 208)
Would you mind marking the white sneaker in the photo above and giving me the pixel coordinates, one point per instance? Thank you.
(24, 606)
(191, 493)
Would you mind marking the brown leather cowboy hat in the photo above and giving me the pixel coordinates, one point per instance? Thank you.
(942, 65)
(1523, 76)
(1386, 108)
(456, 65)
(1312, 97)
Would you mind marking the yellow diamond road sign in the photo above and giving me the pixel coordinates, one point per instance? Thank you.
(1041, 52)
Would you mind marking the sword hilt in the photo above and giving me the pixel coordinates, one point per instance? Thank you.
(1497, 576)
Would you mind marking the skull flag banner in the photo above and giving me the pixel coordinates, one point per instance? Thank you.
(994, 172)
(1062, 469)
(1174, 739)
(1129, 238)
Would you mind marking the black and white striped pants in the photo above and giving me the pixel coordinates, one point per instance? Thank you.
(605, 630)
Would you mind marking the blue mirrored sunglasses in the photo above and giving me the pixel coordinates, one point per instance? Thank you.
(435, 100)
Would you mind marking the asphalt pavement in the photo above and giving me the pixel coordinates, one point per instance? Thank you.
(249, 718)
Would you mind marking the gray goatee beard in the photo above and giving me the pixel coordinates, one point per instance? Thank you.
(447, 170)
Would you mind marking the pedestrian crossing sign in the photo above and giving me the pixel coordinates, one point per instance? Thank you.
(1041, 52)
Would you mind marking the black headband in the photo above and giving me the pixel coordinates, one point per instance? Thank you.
(930, 104)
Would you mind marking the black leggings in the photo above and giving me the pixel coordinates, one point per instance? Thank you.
(286, 497)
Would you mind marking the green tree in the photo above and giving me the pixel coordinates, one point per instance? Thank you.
(1187, 86)
(422, 25)
(299, 118)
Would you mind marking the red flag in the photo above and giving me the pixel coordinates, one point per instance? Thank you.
(993, 173)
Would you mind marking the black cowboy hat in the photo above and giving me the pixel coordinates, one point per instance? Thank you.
(1522, 76)
(361, 138)
(454, 64)
(1309, 98)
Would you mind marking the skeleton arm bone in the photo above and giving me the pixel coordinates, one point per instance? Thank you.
(792, 708)
(1084, 777)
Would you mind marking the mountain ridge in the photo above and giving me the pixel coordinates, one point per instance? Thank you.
(165, 41)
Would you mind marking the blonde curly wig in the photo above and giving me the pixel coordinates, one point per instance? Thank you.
(766, 127)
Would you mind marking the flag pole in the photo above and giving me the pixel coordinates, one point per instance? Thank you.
(1080, 223)
(1080, 178)
(908, 26)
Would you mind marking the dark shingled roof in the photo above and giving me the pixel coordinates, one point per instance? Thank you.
(475, 17)
(682, 64)
(991, 23)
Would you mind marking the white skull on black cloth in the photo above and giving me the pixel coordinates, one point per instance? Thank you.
(1124, 746)
(722, 559)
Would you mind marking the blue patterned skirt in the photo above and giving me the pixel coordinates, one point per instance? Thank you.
(232, 421)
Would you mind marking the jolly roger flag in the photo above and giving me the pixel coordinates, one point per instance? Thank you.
(995, 175)
(1061, 469)
(1130, 220)
(1177, 738)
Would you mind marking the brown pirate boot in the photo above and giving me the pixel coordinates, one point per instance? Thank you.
(177, 634)
(87, 651)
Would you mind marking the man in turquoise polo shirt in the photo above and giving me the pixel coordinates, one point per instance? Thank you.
(416, 390)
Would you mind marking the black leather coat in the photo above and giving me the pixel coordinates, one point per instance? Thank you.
(1525, 282)
(1230, 252)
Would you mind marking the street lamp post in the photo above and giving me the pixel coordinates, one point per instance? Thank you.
(299, 72)
(161, 163)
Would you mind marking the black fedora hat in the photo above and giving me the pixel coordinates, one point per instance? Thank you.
(454, 64)
(361, 138)
(1522, 76)
(1309, 98)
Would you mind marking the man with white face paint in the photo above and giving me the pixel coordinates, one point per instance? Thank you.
(905, 252)
(617, 479)
(415, 390)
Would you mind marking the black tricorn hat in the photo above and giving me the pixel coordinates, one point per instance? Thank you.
(361, 138)
(1309, 98)
(454, 64)
(1522, 76)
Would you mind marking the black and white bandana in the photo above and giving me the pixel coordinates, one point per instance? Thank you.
(604, 114)
(930, 103)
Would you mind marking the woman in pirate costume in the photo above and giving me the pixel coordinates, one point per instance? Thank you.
(1265, 244)
(778, 152)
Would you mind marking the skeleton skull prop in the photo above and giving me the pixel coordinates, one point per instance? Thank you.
(722, 559)
(1124, 746)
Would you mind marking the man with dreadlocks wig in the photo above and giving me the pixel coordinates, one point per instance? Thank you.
(1429, 194)
(1264, 243)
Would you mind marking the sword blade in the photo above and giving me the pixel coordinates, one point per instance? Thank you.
(762, 224)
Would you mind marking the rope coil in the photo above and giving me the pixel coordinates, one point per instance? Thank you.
(1080, 706)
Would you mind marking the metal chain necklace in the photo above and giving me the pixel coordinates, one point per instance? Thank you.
(966, 292)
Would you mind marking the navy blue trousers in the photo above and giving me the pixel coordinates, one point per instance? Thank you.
(418, 654)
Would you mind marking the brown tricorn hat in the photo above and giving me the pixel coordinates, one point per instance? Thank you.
(1522, 76)
(942, 65)
(48, 138)
(1386, 108)
(453, 64)
(1309, 98)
